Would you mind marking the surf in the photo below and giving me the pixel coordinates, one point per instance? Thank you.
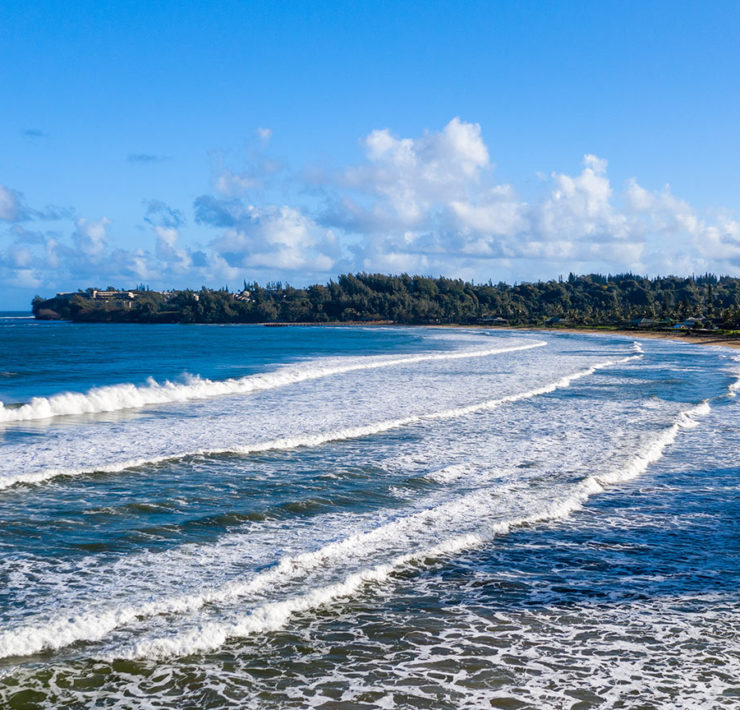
(313, 440)
(466, 522)
(113, 398)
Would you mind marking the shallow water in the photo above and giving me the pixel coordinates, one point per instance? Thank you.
(220, 516)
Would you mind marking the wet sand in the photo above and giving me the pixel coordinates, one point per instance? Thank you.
(679, 336)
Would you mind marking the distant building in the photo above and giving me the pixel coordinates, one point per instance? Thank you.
(646, 323)
(113, 295)
(689, 323)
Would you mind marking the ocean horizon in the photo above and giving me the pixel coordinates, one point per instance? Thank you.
(215, 516)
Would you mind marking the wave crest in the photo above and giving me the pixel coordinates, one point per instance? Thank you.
(113, 398)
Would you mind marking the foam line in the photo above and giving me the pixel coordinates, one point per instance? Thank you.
(112, 398)
(654, 451)
(96, 624)
(734, 386)
(274, 615)
(312, 440)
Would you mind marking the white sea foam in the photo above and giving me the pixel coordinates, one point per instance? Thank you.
(312, 440)
(654, 450)
(735, 386)
(448, 474)
(465, 522)
(273, 615)
(119, 397)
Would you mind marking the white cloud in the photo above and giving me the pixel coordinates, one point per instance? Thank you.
(178, 260)
(406, 178)
(277, 238)
(90, 236)
(10, 204)
(231, 184)
(581, 207)
(432, 202)
(497, 213)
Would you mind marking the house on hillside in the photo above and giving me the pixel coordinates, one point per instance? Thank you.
(113, 295)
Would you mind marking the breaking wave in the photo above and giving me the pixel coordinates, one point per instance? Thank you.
(112, 398)
(312, 440)
(463, 523)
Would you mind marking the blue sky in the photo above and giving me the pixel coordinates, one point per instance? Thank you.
(181, 144)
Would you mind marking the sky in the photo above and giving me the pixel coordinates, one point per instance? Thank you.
(209, 143)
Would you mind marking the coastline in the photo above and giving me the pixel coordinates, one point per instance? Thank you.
(678, 336)
(719, 340)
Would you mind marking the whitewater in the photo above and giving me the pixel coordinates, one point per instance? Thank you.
(365, 517)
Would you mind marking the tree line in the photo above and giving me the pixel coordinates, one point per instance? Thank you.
(588, 300)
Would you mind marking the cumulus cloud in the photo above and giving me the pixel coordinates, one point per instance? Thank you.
(90, 236)
(175, 259)
(432, 204)
(215, 212)
(159, 213)
(254, 178)
(405, 180)
(279, 238)
(233, 184)
(580, 207)
(12, 208)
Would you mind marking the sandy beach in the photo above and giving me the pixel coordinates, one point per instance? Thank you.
(679, 336)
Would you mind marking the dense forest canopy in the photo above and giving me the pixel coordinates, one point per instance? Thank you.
(588, 300)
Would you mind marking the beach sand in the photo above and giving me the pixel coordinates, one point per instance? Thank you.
(678, 336)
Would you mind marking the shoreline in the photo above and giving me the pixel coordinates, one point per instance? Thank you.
(691, 338)
(719, 340)
(678, 336)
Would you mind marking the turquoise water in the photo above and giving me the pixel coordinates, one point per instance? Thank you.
(241, 516)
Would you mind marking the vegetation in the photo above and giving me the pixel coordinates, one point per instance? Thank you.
(591, 300)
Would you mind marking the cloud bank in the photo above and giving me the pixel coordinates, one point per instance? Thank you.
(429, 204)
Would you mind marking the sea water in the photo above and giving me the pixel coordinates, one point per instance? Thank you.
(242, 516)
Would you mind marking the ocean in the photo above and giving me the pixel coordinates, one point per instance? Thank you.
(353, 517)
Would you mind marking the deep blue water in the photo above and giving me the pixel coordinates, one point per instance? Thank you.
(242, 516)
